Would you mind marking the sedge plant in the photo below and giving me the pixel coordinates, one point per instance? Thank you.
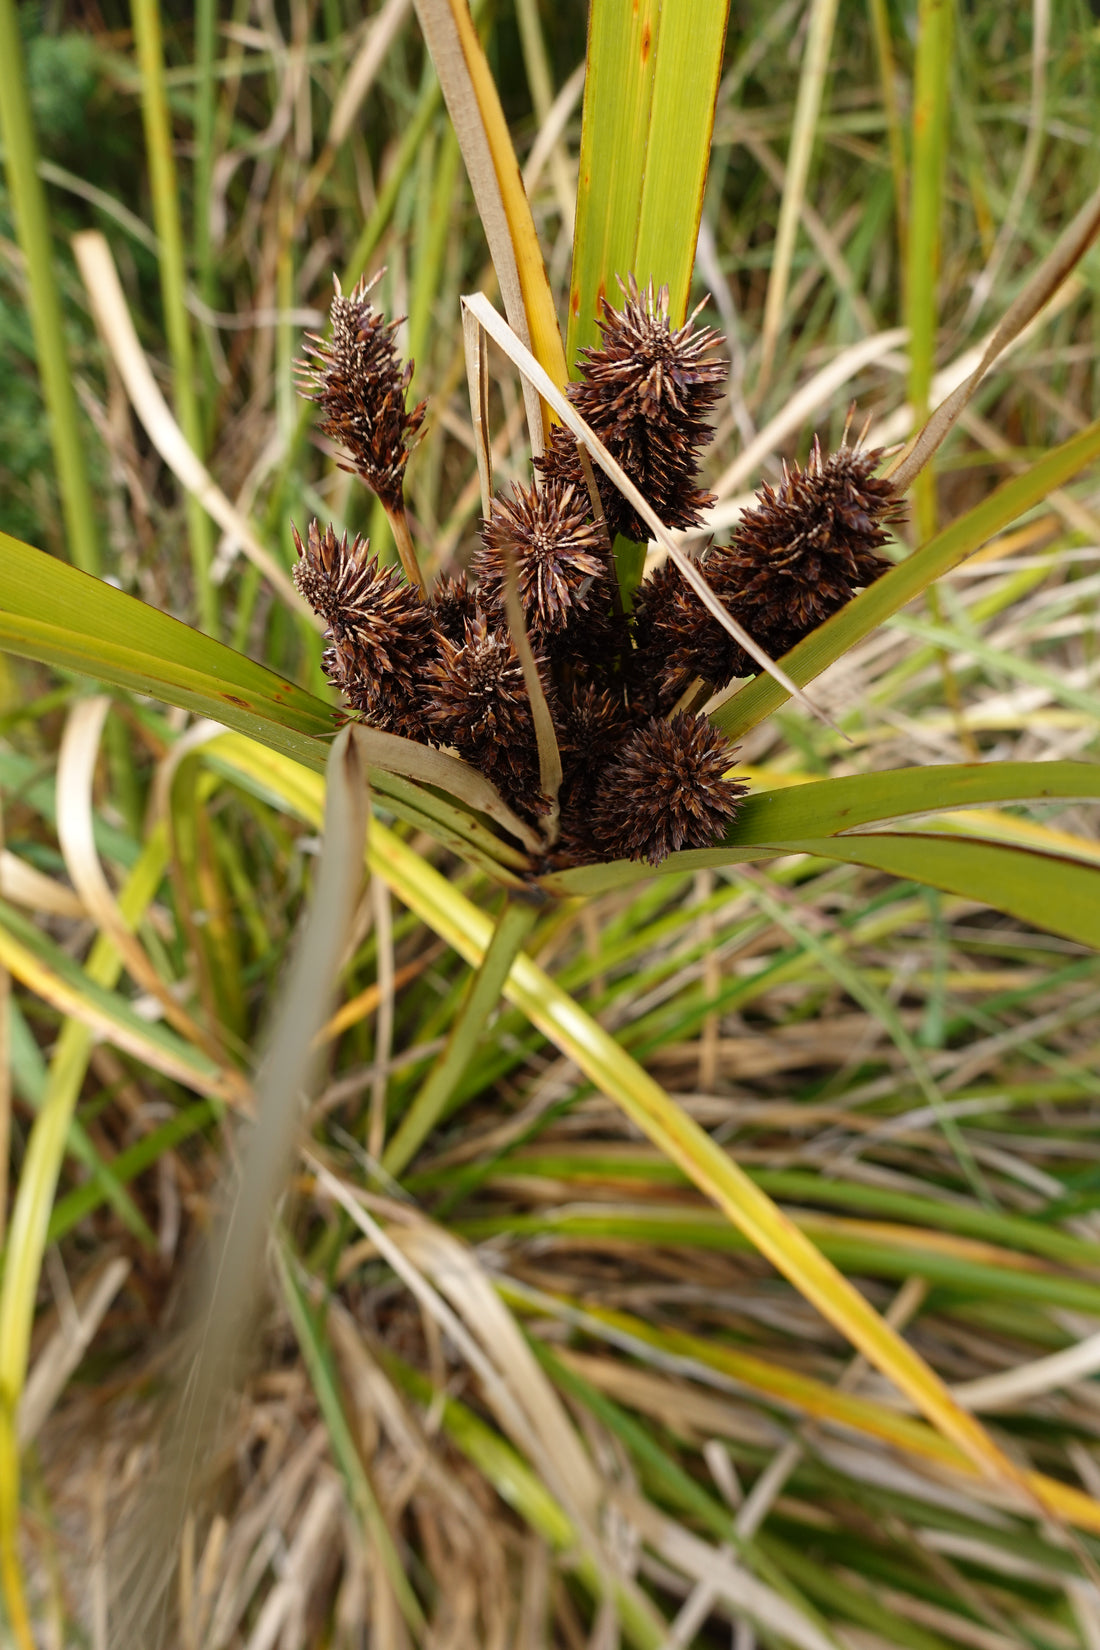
(568, 731)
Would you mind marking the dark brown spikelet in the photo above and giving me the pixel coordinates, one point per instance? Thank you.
(381, 633)
(807, 546)
(796, 558)
(592, 725)
(681, 639)
(359, 381)
(646, 391)
(453, 604)
(560, 569)
(665, 791)
(476, 700)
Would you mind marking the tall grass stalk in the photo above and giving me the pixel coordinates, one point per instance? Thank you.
(164, 185)
(78, 506)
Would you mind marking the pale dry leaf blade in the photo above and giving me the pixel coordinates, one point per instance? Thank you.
(811, 86)
(726, 1578)
(75, 829)
(491, 165)
(112, 317)
(497, 1392)
(63, 1351)
(815, 393)
(545, 737)
(456, 1270)
(383, 31)
(477, 379)
(227, 1298)
(1055, 269)
(23, 884)
(535, 1423)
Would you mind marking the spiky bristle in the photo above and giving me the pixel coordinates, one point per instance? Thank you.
(555, 549)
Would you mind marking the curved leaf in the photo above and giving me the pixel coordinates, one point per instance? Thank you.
(1051, 891)
(827, 806)
(768, 822)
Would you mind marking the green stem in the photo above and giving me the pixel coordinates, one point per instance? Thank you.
(205, 43)
(513, 925)
(930, 122)
(166, 213)
(33, 229)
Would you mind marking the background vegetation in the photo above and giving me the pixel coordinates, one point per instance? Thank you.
(530, 1388)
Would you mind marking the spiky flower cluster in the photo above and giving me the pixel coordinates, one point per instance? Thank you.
(794, 560)
(647, 393)
(641, 777)
(360, 382)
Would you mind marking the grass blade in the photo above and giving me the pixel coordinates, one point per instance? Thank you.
(511, 929)
(649, 99)
(318, 1362)
(166, 214)
(811, 87)
(1061, 895)
(175, 443)
(931, 95)
(32, 225)
(474, 106)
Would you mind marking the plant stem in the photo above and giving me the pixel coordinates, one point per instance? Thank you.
(399, 522)
(166, 213)
(47, 323)
(513, 925)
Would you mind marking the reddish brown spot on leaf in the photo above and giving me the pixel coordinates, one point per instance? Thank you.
(646, 42)
(231, 699)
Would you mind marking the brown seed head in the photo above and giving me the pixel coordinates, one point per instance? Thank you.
(796, 558)
(559, 567)
(453, 604)
(382, 633)
(476, 700)
(646, 391)
(359, 381)
(665, 791)
(807, 546)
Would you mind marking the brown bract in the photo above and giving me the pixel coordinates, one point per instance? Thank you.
(665, 791)
(359, 381)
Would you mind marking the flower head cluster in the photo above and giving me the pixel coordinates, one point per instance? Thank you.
(360, 383)
(795, 559)
(641, 777)
(647, 392)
